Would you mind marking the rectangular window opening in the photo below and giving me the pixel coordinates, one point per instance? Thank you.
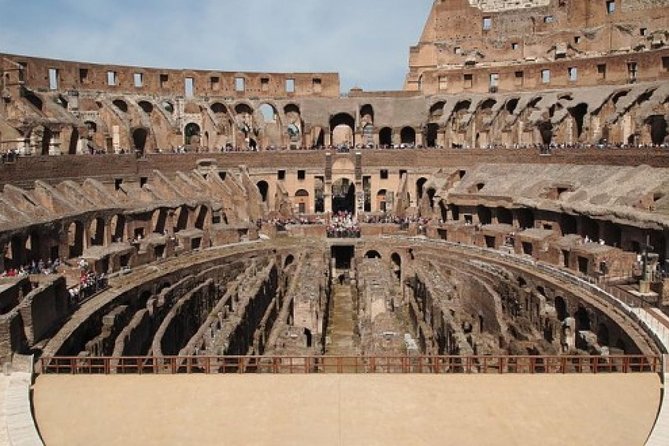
(112, 78)
(468, 80)
(164, 81)
(290, 85)
(281, 175)
(240, 84)
(317, 84)
(83, 75)
(487, 23)
(53, 79)
(545, 76)
(301, 175)
(573, 74)
(264, 84)
(384, 174)
(189, 87)
(138, 80)
(215, 83)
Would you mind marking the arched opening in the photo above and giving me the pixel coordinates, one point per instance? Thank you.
(192, 134)
(302, 201)
(342, 128)
(432, 134)
(525, 218)
(511, 105)
(343, 196)
(431, 192)
(658, 129)
(603, 334)
(590, 229)
(381, 203)
(146, 106)
(75, 237)
(484, 215)
(578, 113)
(117, 228)
(168, 106)
(561, 308)
(319, 137)
(268, 113)
(289, 261)
(386, 136)
(408, 136)
(372, 254)
(218, 108)
(487, 105)
(263, 188)
(47, 136)
(420, 185)
(546, 131)
(139, 136)
(397, 265)
(437, 110)
(33, 99)
(568, 224)
(308, 337)
(121, 105)
(97, 232)
(159, 220)
(504, 216)
(201, 219)
(181, 219)
(367, 114)
(74, 142)
(582, 319)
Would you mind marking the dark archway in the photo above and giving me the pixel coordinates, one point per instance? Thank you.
(397, 265)
(561, 308)
(658, 129)
(582, 319)
(504, 216)
(343, 196)
(139, 137)
(546, 131)
(263, 188)
(432, 134)
(372, 254)
(568, 224)
(121, 105)
(484, 214)
(578, 113)
(146, 106)
(74, 141)
(75, 235)
(191, 134)
(408, 136)
(47, 136)
(386, 136)
(420, 185)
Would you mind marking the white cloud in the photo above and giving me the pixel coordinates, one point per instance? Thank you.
(367, 42)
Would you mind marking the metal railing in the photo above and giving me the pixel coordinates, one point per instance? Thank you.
(171, 365)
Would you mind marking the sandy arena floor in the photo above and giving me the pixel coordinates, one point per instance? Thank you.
(347, 410)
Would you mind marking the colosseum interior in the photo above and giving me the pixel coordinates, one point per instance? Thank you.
(478, 258)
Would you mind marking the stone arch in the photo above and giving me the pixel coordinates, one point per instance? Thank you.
(372, 254)
(408, 136)
(504, 216)
(396, 260)
(192, 134)
(420, 186)
(121, 105)
(146, 106)
(117, 228)
(159, 220)
(437, 110)
(139, 139)
(289, 260)
(343, 195)
(74, 142)
(243, 108)
(302, 201)
(561, 308)
(75, 239)
(657, 126)
(578, 113)
(201, 219)
(487, 105)
(218, 108)
(181, 219)
(367, 114)
(342, 129)
(386, 136)
(268, 113)
(263, 189)
(381, 203)
(96, 231)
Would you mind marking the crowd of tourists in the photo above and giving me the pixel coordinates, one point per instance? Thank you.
(343, 225)
(34, 268)
(90, 283)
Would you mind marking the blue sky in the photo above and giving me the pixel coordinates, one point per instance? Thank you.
(366, 41)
